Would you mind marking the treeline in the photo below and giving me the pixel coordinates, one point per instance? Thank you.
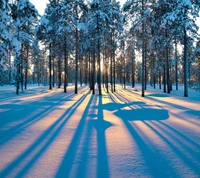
(75, 41)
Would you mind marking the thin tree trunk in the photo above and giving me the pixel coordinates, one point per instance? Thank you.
(164, 79)
(93, 71)
(53, 68)
(167, 64)
(66, 65)
(143, 54)
(26, 68)
(133, 69)
(124, 72)
(81, 83)
(111, 67)
(77, 55)
(50, 76)
(176, 65)
(145, 65)
(185, 65)
(99, 57)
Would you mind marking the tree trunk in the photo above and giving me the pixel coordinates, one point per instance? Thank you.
(53, 68)
(145, 65)
(164, 79)
(167, 64)
(124, 72)
(66, 65)
(77, 54)
(176, 65)
(160, 84)
(111, 71)
(93, 71)
(81, 83)
(185, 65)
(133, 69)
(143, 54)
(26, 68)
(50, 76)
(99, 57)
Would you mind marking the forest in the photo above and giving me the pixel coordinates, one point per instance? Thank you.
(98, 41)
(97, 89)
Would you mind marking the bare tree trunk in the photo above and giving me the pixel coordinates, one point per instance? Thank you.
(111, 68)
(124, 72)
(145, 65)
(167, 64)
(176, 65)
(66, 65)
(98, 55)
(53, 68)
(133, 69)
(50, 76)
(164, 79)
(143, 54)
(59, 71)
(77, 56)
(93, 71)
(185, 65)
(81, 80)
(160, 83)
(26, 68)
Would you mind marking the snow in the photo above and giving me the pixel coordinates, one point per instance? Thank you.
(53, 134)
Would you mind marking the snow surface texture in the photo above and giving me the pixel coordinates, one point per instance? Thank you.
(52, 134)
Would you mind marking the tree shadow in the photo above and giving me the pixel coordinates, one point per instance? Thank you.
(95, 121)
(65, 167)
(140, 114)
(193, 163)
(137, 110)
(42, 143)
(25, 111)
(140, 111)
(30, 112)
(160, 95)
(101, 125)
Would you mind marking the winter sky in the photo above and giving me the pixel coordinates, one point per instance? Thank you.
(40, 5)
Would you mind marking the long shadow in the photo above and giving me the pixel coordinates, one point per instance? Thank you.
(160, 95)
(101, 125)
(27, 109)
(86, 151)
(154, 165)
(67, 162)
(180, 134)
(41, 140)
(190, 111)
(7, 134)
(191, 164)
(142, 112)
(177, 140)
(187, 110)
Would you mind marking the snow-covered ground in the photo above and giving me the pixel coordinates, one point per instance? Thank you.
(53, 134)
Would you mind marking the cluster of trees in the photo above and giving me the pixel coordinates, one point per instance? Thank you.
(97, 41)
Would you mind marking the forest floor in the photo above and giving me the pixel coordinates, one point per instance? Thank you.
(120, 135)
